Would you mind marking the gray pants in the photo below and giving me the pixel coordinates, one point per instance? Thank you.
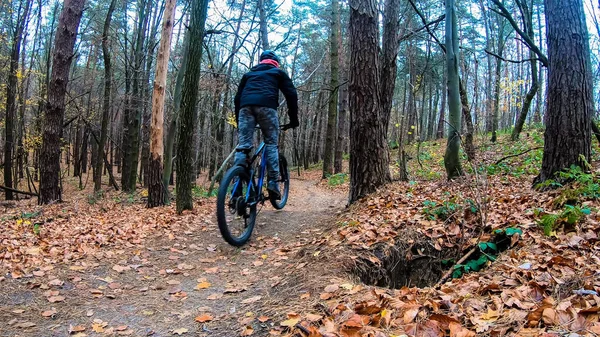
(268, 121)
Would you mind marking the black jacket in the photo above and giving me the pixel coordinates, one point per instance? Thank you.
(260, 87)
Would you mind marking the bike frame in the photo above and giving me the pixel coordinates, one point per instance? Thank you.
(261, 175)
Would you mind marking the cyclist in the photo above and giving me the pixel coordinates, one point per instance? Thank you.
(256, 102)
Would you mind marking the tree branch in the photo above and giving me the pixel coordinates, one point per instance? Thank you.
(516, 155)
(434, 22)
(505, 13)
(511, 61)
(19, 192)
(426, 25)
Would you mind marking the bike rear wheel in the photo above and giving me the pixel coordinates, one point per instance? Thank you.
(284, 183)
(236, 207)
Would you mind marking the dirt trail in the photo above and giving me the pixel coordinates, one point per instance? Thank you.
(159, 289)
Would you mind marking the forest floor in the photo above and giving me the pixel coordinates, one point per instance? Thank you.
(485, 255)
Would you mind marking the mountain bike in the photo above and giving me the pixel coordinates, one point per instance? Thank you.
(242, 190)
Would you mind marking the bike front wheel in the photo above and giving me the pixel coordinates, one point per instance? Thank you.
(284, 183)
(236, 209)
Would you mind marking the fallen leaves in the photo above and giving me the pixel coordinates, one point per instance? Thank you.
(76, 328)
(293, 319)
(247, 331)
(204, 318)
(120, 269)
(251, 300)
(54, 299)
(49, 313)
(180, 331)
(203, 285)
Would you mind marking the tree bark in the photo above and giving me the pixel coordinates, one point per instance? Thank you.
(369, 160)
(570, 105)
(264, 33)
(528, 23)
(187, 120)
(342, 130)
(11, 94)
(451, 158)
(66, 35)
(389, 53)
(172, 130)
(106, 102)
(497, 79)
(328, 154)
(466, 114)
(131, 138)
(441, 125)
(156, 189)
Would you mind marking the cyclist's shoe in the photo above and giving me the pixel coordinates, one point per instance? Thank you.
(273, 190)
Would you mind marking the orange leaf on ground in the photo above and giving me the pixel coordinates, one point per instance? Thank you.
(54, 299)
(203, 285)
(251, 299)
(77, 328)
(49, 313)
(204, 318)
(247, 331)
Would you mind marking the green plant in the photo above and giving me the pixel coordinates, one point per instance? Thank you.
(200, 192)
(37, 227)
(488, 251)
(568, 217)
(442, 212)
(337, 179)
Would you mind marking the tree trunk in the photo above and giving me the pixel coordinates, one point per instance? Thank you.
(389, 53)
(172, 131)
(570, 106)
(369, 160)
(156, 189)
(528, 23)
(264, 33)
(106, 103)
(497, 79)
(342, 131)
(77, 149)
(451, 158)
(187, 120)
(131, 144)
(146, 92)
(442, 120)
(466, 111)
(55, 107)
(11, 94)
(328, 154)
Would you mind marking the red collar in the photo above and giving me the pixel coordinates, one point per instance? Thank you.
(271, 62)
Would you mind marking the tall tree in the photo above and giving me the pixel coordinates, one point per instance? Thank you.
(333, 86)
(369, 159)
(570, 105)
(501, 40)
(133, 113)
(451, 158)
(389, 53)
(11, 94)
(172, 130)
(187, 119)
(106, 102)
(527, 17)
(264, 32)
(66, 34)
(156, 189)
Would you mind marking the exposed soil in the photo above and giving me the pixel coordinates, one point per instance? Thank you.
(160, 287)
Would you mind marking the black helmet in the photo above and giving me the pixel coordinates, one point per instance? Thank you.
(269, 55)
